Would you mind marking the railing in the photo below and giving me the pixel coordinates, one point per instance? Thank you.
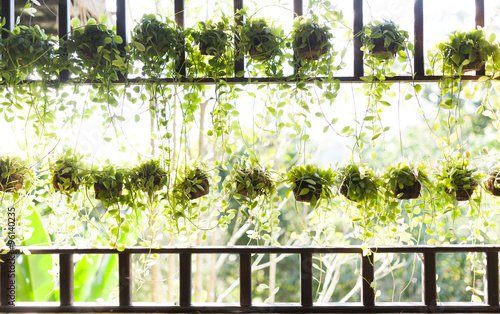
(368, 303)
(358, 72)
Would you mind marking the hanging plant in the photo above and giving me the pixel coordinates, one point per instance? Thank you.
(68, 172)
(467, 51)
(148, 177)
(310, 183)
(251, 182)
(492, 182)
(309, 40)
(28, 49)
(258, 40)
(12, 171)
(194, 185)
(155, 43)
(404, 181)
(383, 40)
(358, 183)
(95, 52)
(455, 178)
(108, 183)
(212, 38)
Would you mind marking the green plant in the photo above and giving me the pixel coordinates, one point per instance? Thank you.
(193, 185)
(309, 40)
(68, 172)
(258, 39)
(492, 182)
(251, 182)
(211, 38)
(383, 40)
(108, 183)
(358, 183)
(456, 178)
(405, 180)
(310, 183)
(155, 43)
(148, 177)
(467, 51)
(95, 52)
(12, 171)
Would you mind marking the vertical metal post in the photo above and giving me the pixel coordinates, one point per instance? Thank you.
(64, 33)
(124, 280)
(239, 58)
(245, 279)
(121, 23)
(298, 7)
(306, 279)
(480, 22)
(418, 11)
(179, 19)
(66, 279)
(429, 279)
(8, 280)
(185, 279)
(8, 14)
(358, 25)
(368, 276)
(491, 279)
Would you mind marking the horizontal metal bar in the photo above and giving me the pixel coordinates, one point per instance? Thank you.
(354, 249)
(355, 307)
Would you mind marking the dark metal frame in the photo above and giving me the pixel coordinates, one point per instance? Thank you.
(64, 28)
(429, 302)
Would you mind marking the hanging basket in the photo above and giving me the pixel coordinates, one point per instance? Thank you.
(475, 65)
(99, 188)
(309, 195)
(315, 47)
(196, 192)
(344, 190)
(380, 49)
(463, 194)
(489, 184)
(408, 191)
(58, 183)
(12, 183)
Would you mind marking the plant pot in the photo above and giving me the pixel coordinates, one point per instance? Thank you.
(408, 191)
(204, 48)
(11, 184)
(463, 194)
(380, 49)
(114, 192)
(58, 183)
(313, 50)
(344, 189)
(489, 185)
(475, 65)
(309, 195)
(196, 192)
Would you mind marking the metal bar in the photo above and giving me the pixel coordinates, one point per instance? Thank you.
(429, 290)
(480, 22)
(357, 26)
(125, 279)
(8, 280)
(179, 19)
(306, 279)
(66, 279)
(185, 279)
(8, 15)
(239, 58)
(121, 23)
(418, 10)
(64, 32)
(368, 275)
(298, 7)
(491, 279)
(246, 279)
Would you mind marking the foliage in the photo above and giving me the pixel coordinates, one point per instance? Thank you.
(108, 183)
(309, 40)
(68, 171)
(455, 177)
(12, 171)
(404, 180)
(211, 38)
(383, 40)
(311, 183)
(467, 51)
(251, 182)
(358, 183)
(148, 177)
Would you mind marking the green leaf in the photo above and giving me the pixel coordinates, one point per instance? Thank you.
(75, 22)
(103, 19)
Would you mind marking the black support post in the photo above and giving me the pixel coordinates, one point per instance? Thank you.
(8, 15)
(64, 33)
(358, 25)
(480, 22)
(418, 10)
(8, 279)
(245, 279)
(429, 289)
(185, 279)
(179, 19)
(491, 277)
(66, 279)
(239, 58)
(125, 279)
(368, 276)
(306, 279)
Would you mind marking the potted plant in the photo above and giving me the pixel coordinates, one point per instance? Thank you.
(155, 43)
(492, 182)
(309, 40)
(467, 51)
(358, 183)
(96, 50)
(68, 172)
(148, 176)
(193, 185)
(250, 181)
(12, 171)
(310, 183)
(258, 39)
(383, 40)
(108, 183)
(212, 38)
(456, 178)
(404, 181)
